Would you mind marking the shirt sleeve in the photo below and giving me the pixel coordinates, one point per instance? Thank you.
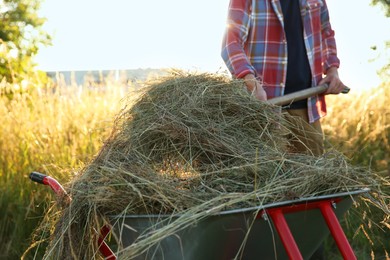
(329, 50)
(236, 34)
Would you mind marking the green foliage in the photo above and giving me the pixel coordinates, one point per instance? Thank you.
(385, 4)
(21, 35)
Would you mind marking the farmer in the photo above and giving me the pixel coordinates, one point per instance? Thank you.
(282, 46)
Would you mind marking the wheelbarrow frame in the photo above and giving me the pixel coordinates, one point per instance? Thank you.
(325, 204)
(276, 211)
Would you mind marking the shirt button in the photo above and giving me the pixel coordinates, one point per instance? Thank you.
(282, 84)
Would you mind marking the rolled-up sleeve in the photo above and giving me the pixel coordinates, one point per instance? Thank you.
(329, 50)
(236, 33)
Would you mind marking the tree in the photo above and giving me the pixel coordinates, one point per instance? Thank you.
(385, 4)
(21, 34)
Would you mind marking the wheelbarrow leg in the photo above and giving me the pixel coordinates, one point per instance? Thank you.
(336, 230)
(285, 234)
(103, 247)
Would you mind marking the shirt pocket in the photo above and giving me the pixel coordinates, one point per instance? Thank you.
(312, 6)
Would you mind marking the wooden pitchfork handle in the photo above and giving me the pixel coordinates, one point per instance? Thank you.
(302, 94)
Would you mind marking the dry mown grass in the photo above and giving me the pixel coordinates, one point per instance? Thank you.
(195, 144)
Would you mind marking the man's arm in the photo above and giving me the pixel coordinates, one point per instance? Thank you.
(329, 47)
(255, 87)
(236, 33)
(329, 52)
(233, 53)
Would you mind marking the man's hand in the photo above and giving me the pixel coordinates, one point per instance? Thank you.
(255, 87)
(333, 80)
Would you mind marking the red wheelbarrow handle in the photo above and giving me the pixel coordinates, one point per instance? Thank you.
(47, 180)
(60, 191)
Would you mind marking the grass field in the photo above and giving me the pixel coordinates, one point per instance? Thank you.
(54, 133)
(358, 124)
(58, 132)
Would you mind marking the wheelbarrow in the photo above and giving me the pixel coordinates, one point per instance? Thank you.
(291, 229)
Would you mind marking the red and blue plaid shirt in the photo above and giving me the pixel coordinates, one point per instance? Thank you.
(255, 42)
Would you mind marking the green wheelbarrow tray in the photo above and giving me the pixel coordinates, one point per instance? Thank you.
(249, 233)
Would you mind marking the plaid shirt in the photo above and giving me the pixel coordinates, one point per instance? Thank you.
(255, 42)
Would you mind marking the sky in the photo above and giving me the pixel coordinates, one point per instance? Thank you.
(187, 34)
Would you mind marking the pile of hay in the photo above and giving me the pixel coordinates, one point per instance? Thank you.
(195, 144)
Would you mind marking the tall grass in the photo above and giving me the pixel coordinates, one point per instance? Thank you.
(358, 124)
(48, 132)
(58, 132)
